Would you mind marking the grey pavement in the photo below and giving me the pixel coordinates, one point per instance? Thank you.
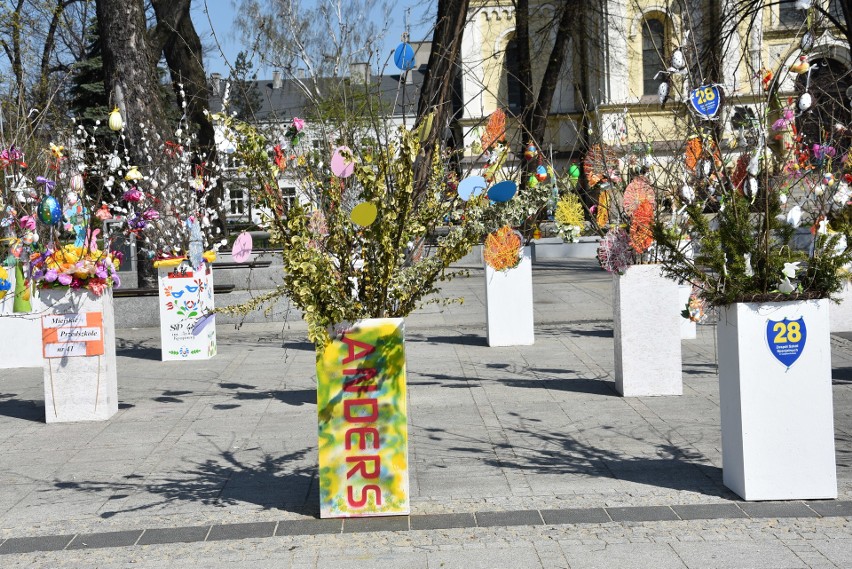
(519, 457)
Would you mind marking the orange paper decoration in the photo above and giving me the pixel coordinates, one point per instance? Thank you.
(641, 234)
(502, 249)
(636, 192)
(495, 130)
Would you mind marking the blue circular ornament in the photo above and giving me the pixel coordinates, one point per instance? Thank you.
(503, 191)
(49, 210)
(403, 57)
(471, 187)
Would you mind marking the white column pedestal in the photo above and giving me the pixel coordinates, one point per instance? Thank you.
(509, 304)
(777, 416)
(77, 386)
(647, 333)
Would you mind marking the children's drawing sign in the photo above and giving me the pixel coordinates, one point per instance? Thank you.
(72, 335)
(187, 324)
(706, 101)
(786, 339)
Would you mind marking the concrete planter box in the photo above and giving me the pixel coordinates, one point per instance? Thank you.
(776, 401)
(25, 351)
(509, 304)
(840, 315)
(647, 333)
(78, 339)
(186, 300)
(556, 248)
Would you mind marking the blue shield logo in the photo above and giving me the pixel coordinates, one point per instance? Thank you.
(706, 101)
(786, 339)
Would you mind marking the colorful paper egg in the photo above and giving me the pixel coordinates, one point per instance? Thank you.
(530, 152)
(574, 172)
(541, 173)
(805, 101)
(76, 183)
(502, 191)
(49, 210)
(116, 123)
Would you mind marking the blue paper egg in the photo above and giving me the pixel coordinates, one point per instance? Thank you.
(503, 191)
(49, 210)
(403, 57)
(471, 187)
(541, 173)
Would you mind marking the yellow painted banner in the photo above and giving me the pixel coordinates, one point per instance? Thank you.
(363, 421)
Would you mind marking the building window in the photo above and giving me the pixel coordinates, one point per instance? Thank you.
(653, 38)
(237, 200)
(789, 15)
(288, 196)
(836, 11)
(514, 89)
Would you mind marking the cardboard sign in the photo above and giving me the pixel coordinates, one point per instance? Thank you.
(72, 335)
(706, 100)
(363, 421)
(786, 339)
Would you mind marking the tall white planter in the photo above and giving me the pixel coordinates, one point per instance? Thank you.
(775, 399)
(25, 351)
(509, 304)
(187, 329)
(841, 314)
(647, 333)
(78, 342)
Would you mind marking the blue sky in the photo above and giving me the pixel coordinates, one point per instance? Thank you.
(222, 14)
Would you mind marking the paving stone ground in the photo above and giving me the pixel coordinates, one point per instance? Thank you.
(519, 457)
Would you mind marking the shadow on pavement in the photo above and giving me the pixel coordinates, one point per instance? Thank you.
(21, 409)
(282, 482)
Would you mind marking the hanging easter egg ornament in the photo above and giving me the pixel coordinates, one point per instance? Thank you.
(678, 61)
(541, 173)
(241, 251)
(663, 93)
(532, 182)
(116, 123)
(502, 191)
(49, 210)
(341, 166)
(76, 183)
(807, 41)
(364, 214)
(805, 101)
(403, 57)
(705, 101)
(574, 172)
(471, 187)
(530, 152)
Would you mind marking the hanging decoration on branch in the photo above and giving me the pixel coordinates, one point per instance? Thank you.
(502, 249)
(706, 101)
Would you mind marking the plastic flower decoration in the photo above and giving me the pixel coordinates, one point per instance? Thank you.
(76, 267)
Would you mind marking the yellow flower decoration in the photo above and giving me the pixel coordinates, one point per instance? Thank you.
(569, 211)
(56, 150)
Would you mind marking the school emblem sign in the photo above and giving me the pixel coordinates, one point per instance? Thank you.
(786, 339)
(706, 101)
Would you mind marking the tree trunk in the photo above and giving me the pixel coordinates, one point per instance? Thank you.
(130, 81)
(436, 92)
(176, 37)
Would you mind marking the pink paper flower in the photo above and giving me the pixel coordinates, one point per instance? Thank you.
(28, 222)
(298, 124)
(133, 195)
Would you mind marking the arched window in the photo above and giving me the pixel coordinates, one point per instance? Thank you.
(829, 81)
(653, 52)
(514, 89)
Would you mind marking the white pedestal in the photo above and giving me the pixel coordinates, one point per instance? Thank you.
(509, 304)
(186, 298)
(647, 333)
(840, 315)
(777, 421)
(77, 386)
(687, 326)
(21, 333)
